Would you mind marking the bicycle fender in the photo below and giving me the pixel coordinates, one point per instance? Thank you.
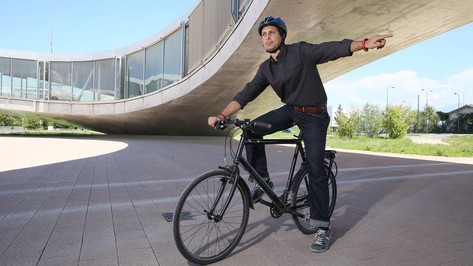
(243, 184)
(246, 189)
(298, 175)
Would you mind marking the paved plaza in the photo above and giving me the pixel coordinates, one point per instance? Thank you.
(103, 200)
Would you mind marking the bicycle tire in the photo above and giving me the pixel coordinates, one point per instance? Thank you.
(300, 198)
(199, 237)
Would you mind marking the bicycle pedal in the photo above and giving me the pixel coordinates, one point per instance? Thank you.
(264, 202)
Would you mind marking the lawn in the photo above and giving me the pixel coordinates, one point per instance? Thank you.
(459, 146)
(54, 133)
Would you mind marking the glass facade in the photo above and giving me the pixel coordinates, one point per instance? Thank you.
(154, 67)
(143, 71)
(172, 58)
(134, 74)
(106, 80)
(83, 81)
(5, 76)
(61, 81)
(148, 70)
(24, 80)
(43, 84)
(154, 79)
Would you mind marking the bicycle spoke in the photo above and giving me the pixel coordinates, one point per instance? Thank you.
(209, 234)
(212, 212)
(301, 203)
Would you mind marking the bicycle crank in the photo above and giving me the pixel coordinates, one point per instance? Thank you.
(275, 211)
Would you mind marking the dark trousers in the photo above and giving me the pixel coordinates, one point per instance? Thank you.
(314, 133)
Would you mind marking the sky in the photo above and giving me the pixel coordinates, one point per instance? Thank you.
(86, 25)
(441, 66)
(436, 68)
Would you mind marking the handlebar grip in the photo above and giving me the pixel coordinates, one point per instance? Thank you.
(262, 125)
(220, 124)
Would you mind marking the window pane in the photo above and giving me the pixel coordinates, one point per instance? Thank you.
(134, 78)
(43, 81)
(31, 88)
(5, 76)
(82, 81)
(105, 80)
(172, 58)
(120, 79)
(24, 78)
(61, 81)
(154, 68)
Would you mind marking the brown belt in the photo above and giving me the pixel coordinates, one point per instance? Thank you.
(314, 109)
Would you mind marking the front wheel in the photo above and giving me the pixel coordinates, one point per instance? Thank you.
(300, 199)
(204, 231)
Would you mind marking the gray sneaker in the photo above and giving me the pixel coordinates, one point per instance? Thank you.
(321, 241)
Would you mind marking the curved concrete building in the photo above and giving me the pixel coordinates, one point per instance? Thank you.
(170, 83)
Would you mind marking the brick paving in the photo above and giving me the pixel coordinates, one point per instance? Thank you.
(101, 200)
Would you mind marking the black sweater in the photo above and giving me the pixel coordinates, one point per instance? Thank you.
(294, 77)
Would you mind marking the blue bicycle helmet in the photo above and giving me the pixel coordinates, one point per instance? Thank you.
(277, 22)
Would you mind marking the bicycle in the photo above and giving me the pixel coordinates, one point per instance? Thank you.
(212, 213)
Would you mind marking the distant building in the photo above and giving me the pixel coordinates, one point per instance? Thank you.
(457, 121)
(466, 109)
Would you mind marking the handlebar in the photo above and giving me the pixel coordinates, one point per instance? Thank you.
(262, 125)
(246, 124)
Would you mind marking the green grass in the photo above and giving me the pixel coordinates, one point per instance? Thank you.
(460, 146)
(55, 133)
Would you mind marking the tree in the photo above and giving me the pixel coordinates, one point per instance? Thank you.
(9, 120)
(6, 120)
(428, 119)
(348, 126)
(371, 120)
(443, 121)
(32, 122)
(342, 120)
(408, 115)
(338, 113)
(394, 122)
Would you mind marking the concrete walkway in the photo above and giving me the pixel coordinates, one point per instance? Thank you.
(103, 201)
(429, 138)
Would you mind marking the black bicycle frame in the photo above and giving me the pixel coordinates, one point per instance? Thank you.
(280, 202)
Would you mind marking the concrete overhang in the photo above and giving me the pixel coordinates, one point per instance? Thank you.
(183, 108)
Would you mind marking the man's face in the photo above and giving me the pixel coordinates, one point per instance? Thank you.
(270, 38)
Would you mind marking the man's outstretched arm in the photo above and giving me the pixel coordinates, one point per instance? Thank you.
(377, 42)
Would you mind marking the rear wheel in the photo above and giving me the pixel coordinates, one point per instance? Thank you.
(203, 231)
(300, 199)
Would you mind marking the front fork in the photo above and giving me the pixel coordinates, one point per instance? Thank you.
(233, 181)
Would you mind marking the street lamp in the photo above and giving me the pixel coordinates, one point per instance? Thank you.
(387, 96)
(427, 98)
(425, 110)
(458, 113)
(418, 117)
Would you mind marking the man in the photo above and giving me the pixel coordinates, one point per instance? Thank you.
(291, 70)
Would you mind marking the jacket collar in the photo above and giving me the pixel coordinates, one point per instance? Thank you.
(281, 54)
